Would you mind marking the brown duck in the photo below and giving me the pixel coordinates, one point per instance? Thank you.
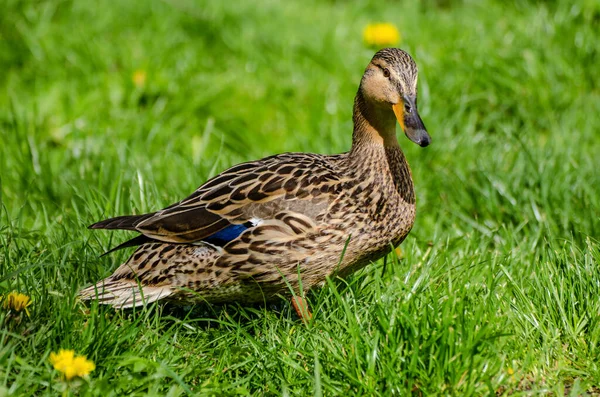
(281, 225)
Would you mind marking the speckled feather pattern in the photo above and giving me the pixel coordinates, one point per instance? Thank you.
(313, 216)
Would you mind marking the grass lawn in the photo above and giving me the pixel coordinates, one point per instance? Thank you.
(111, 108)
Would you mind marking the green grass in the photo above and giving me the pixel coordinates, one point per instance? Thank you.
(498, 289)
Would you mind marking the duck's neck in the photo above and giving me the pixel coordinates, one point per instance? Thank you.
(375, 146)
(373, 125)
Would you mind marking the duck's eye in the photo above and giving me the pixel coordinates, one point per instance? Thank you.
(386, 72)
(407, 108)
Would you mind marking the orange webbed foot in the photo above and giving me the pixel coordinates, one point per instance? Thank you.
(301, 307)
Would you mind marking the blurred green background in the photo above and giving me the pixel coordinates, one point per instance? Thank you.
(110, 108)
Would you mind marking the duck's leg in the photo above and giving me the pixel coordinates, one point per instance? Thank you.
(301, 307)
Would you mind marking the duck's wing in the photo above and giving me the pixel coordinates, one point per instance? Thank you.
(242, 195)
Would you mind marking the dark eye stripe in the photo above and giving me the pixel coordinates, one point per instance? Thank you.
(386, 71)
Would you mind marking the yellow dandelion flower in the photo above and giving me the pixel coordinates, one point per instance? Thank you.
(381, 34)
(139, 78)
(16, 301)
(399, 253)
(70, 365)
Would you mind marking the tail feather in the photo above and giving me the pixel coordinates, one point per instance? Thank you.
(124, 293)
(154, 271)
(126, 222)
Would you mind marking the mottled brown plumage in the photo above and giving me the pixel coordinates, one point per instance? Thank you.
(282, 224)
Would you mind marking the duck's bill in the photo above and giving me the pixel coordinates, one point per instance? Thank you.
(411, 124)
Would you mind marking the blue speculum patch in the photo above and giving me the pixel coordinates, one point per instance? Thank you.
(224, 236)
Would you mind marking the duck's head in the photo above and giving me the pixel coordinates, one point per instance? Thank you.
(389, 88)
